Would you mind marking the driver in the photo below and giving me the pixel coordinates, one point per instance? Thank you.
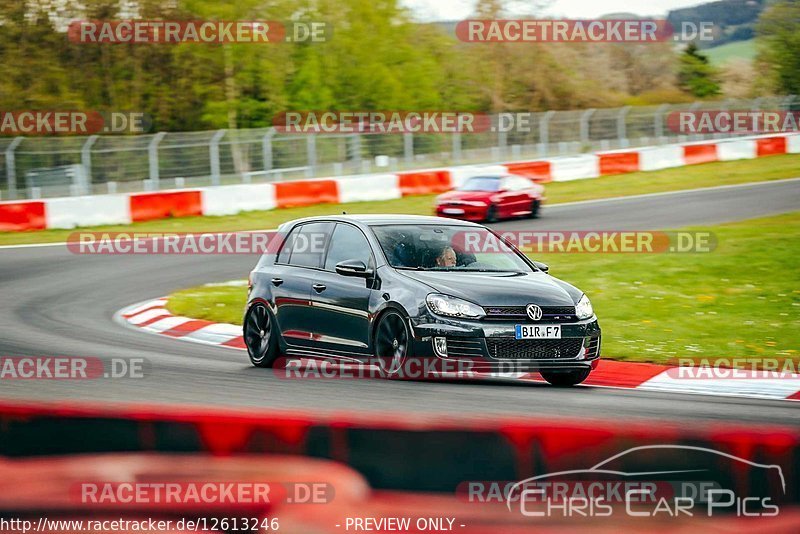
(446, 258)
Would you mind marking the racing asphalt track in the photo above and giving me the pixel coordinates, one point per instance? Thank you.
(53, 302)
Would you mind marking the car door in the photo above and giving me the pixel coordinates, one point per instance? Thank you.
(518, 200)
(340, 305)
(296, 269)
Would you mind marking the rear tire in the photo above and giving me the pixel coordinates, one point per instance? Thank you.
(566, 378)
(260, 336)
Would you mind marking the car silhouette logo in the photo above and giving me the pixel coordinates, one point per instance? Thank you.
(534, 312)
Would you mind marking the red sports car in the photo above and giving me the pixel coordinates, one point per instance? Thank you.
(489, 198)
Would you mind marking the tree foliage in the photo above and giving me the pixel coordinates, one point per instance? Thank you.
(779, 46)
(696, 76)
(378, 58)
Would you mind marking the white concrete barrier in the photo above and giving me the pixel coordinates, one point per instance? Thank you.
(660, 157)
(96, 210)
(459, 175)
(793, 144)
(368, 187)
(737, 149)
(575, 168)
(231, 199)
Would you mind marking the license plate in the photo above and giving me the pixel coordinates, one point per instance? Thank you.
(453, 211)
(537, 331)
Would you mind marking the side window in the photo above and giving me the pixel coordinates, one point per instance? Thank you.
(347, 243)
(514, 183)
(522, 183)
(286, 250)
(306, 245)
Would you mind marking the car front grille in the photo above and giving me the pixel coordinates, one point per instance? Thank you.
(534, 349)
(558, 314)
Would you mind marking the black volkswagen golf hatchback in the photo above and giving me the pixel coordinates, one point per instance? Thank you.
(387, 289)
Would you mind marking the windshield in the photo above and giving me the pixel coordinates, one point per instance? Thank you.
(431, 247)
(481, 183)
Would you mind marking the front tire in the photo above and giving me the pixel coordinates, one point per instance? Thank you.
(392, 342)
(491, 214)
(566, 378)
(535, 206)
(260, 336)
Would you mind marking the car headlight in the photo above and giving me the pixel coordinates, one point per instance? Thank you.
(584, 308)
(453, 307)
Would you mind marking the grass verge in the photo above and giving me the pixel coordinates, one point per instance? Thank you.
(739, 301)
(705, 175)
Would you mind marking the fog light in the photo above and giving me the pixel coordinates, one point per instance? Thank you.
(440, 346)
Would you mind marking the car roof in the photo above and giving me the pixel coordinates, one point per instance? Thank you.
(388, 218)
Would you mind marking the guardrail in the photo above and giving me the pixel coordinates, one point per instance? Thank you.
(71, 212)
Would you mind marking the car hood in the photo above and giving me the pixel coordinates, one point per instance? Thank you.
(500, 289)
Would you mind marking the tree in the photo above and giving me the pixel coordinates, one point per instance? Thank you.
(779, 46)
(695, 75)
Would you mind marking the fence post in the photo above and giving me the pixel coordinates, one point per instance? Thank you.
(544, 131)
(356, 150)
(86, 161)
(266, 149)
(311, 155)
(11, 168)
(658, 122)
(152, 158)
(408, 147)
(456, 147)
(213, 154)
(622, 131)
(584, 129)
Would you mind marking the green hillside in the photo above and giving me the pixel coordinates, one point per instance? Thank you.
(727, 52)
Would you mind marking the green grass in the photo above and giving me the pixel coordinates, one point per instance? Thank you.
(740, 301)
(722, 54)
(705, 175)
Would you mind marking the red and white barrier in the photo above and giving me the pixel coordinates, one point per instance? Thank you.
(95, 210)
(154, 318)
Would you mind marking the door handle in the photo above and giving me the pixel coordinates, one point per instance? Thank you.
(277, 281)
(319, 288)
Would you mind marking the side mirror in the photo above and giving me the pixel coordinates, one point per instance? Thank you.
(542, 266)
(353, 268)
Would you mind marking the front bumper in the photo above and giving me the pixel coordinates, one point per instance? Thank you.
(463, 212)
(491, 345)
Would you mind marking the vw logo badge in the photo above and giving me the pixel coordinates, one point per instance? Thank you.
(534, 312)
